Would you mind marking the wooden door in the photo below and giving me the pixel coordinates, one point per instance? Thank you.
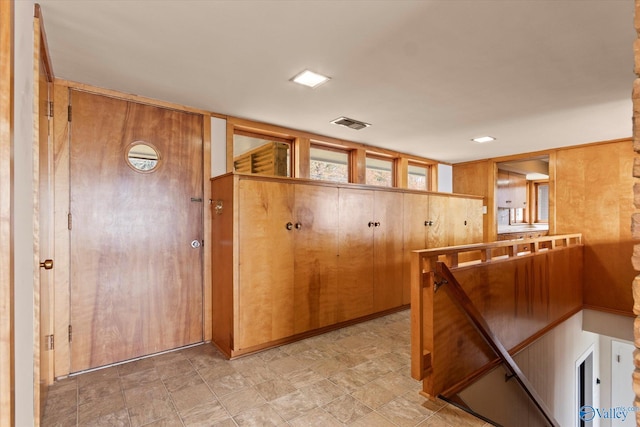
(439, 234)
(415, 221)
(463, 224)
(316, 257)
(518, 186)
(387, 250)
(265, 294)
(503, 192)
(136, 280)
(355, 261)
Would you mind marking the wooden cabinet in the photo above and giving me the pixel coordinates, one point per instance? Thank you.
(466, 221)
(512, 190)
(292, 256)
(370, 245)
(388, 248)
(315, 257)
(438, 220)
(266, 264)
(287, 238)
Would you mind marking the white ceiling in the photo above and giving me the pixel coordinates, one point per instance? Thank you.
(428, 75)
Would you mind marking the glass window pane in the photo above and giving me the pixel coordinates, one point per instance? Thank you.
(417, 179)
(543, 203)
(329, 165)
(264, 156)
(379, 172)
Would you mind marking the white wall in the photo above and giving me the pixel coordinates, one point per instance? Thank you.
(218, 146)
(549, 364)
(445, 178)
(23, 213)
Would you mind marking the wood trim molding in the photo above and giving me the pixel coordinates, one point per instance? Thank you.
(44, 46)
(7, 395)
(132, 97)
(61, 233)
(206, 212)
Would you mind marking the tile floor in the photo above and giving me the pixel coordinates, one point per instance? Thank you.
(355, 376)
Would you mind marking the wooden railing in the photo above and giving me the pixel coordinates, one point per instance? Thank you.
(522, 288)
(449, 283)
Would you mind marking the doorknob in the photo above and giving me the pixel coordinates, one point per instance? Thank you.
(195, 244)
(47, 264)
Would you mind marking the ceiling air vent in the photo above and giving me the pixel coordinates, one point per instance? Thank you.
(350, 123)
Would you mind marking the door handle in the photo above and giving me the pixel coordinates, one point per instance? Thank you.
(47, 264)
(196, 244)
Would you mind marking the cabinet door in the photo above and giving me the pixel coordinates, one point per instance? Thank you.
(503, 192)
(466, 220)
(387, 251)
(316, 257)
(518, 186)
(415, 221)
(439, 234)
(265, 285)
(355, 261)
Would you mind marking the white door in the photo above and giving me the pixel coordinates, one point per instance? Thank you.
(621, 389)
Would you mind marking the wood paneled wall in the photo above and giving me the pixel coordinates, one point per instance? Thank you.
(590, 193)
(593, 197)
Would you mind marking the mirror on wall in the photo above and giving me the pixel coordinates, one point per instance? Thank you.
(522, 198)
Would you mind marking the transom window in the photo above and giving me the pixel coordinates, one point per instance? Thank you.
(379, 171)
(261, 154)
(418, 177)
(328, 164)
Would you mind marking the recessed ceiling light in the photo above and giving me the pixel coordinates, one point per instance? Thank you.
(483, 139)
(310, 79)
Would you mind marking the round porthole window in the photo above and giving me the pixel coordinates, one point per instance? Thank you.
(143, 157)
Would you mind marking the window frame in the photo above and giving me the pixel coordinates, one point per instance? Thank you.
(290, 141)
(392, 160)
(536, 185)
(323, 146)
(427, 168)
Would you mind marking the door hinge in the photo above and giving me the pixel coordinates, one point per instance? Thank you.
(69, 113)
(50, 109)
(70, 334)
(50, 342)
(69, 221)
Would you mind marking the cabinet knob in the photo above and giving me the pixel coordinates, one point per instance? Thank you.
(376, 224)
(298, 226)
(289, 226)
(47, 264)
(371, 224)
(428, 223)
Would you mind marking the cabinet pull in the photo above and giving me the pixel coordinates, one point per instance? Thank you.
(376, 224)
(428, 223)
(289, 226)
(371, 224)
(298, 226)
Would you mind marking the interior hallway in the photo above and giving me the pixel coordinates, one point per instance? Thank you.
(355, 376)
